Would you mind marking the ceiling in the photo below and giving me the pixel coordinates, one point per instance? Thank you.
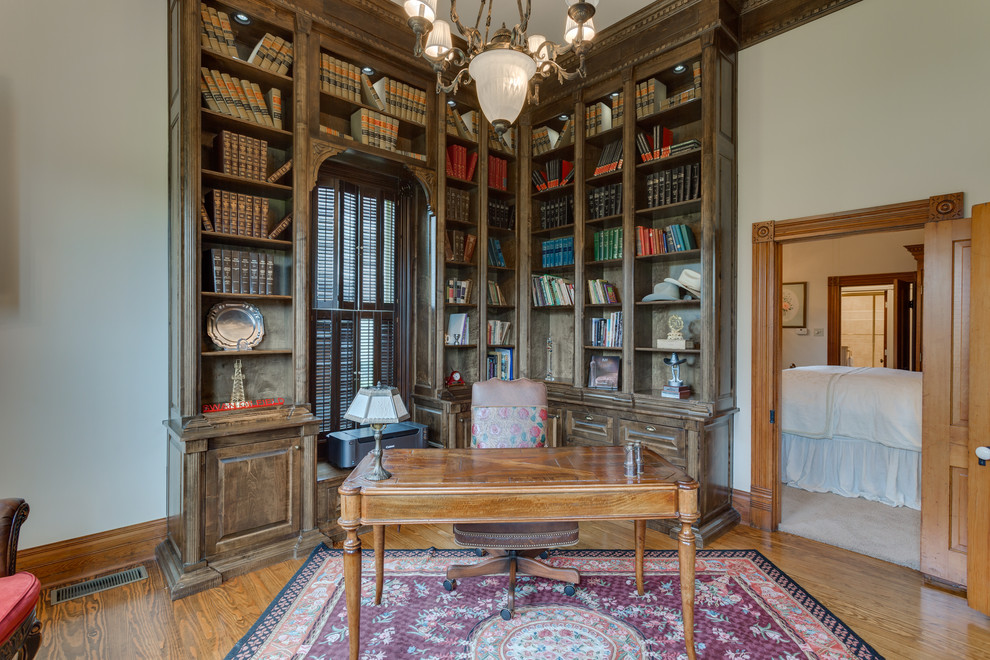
(547, 16)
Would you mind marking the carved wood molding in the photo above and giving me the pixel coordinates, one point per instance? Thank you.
(428, 179)
(763, 231)
(917, 250)
(763, 19)
(321, 151)
(906, 215)
(945, 207)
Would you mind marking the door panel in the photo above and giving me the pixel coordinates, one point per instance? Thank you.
(978, 569)
(945, 407)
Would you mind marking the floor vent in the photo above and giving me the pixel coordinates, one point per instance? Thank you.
(119, 579)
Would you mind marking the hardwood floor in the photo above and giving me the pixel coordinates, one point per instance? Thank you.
(887, 605)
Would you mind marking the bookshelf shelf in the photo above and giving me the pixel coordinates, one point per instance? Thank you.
(604, 179)
(668, 303)
(683, 113)
(566, 189)
(670, 161)
(605, 305)
(553, 269)
(461, 346)
(242, 69)
(240, 184)
(462, 184)
(246, 241)
(461, 224)
(251, 353)
(457, 304)
(276, 137)
(605, 262)
(339, 105)
(492, 229)
(247, 296)
(453, 138)
(670, 210)
(561, 230)
(605, 137)
(677, 254)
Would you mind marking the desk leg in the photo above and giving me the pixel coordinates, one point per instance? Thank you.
(352, 588)
(685, 556)
(640, 545)
(379, 534)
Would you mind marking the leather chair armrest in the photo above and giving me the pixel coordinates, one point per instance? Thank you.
(13, 512)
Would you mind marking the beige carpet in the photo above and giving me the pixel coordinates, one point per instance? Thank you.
(870, 528)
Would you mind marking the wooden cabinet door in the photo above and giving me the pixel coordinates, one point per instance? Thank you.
(252, 495)
(945, 401)
(665, 437)
(587, 429)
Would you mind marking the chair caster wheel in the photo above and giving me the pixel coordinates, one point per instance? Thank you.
(449, 585)
(544, 554)
(506, 614)
(479, 552)
(570, 590)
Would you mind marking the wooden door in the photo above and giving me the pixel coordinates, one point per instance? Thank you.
(978, 568)
(902, 351)
(945, 408)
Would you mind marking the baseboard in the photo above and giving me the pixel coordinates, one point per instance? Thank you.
(740, 502)
(88, 556)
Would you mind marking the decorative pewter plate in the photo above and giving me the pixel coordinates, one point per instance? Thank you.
(235, 326)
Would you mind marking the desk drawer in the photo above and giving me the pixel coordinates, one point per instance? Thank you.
(668, 440)
(582, 427)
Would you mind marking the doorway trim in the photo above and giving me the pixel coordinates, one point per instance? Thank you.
(768, 240)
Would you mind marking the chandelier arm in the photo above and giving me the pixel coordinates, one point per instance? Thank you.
(524, 17)
(488, 19)
(457, 20)
(455, 83)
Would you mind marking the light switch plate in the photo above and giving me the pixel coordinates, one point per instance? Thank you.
(819, 332)
(802, 331)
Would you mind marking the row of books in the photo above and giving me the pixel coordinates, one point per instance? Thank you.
(460, 246)
(458, 330)
(498, 332)
(607, 244)
(552, 291)
(674, 185)
(605, 201)
(459, 291)
(553, 173)
(500, 363)
(610, 159)
(602, 292)
(495, 295)
(241, 155)
(557, 252)
(374, 129)
(605, 331)
(463, 124)
(651, 95)
(557, 212)
(661, 240)
(495, 255)
(659, 145)
(239, 271)
(272, 53)
(237, 213)
(498, 173)
(600, 117)
(501, 214)
(546, 139)
(459, 205)
(241, 99)
(460, 163)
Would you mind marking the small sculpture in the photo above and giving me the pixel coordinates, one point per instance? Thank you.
(237, 393)
(549, 359)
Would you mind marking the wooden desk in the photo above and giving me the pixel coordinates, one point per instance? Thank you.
(514, 485)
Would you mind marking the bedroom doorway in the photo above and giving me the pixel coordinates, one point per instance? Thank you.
(768, 240)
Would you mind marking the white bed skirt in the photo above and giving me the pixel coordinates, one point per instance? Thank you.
(852, 468)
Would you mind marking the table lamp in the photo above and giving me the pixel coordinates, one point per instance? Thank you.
(378, 406)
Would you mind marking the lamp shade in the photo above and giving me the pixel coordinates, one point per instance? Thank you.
(502, 76)
(424, 8)
(377, 405)
(534, 44)
(438, 43)
(586, 29)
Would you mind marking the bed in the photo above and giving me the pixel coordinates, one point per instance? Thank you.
(854, 431)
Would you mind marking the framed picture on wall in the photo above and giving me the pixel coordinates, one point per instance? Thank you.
(792, 302)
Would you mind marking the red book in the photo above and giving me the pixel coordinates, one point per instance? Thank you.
(472, 161)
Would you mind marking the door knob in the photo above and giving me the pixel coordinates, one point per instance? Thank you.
(983, 454)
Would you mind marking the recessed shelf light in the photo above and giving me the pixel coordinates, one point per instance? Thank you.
(680, 68)
(242, 18)
(452, 103)
(614, 95)
(368, 71)
(563, 118)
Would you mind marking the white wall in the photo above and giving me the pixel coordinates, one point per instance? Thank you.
(83, 220)
(816, 261)
(884, 101)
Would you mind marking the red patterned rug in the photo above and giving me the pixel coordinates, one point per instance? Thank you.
(746, 608)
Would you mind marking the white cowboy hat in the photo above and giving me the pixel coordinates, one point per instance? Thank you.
(689, 280)
(664, 291)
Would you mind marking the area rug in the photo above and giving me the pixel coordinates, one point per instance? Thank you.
(746, 608)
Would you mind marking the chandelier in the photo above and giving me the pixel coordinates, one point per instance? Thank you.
(508, 66)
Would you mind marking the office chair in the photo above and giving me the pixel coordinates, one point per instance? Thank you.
(512, 414)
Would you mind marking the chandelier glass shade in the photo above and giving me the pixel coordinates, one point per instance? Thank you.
(506, 65)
